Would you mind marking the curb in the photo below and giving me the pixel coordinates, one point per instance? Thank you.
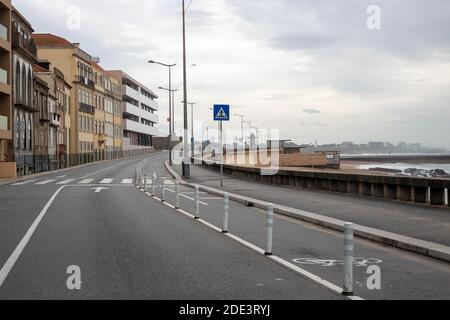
(426, 248)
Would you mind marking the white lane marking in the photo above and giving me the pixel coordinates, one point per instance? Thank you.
(44, 182)
(99, 189)
(99, 171)
(23, 183)
(66, 181)
(106, 181)
(23, 243)
(86, 181)
(128, 181)
(60, 177)
(212, 198)
(277, 259)
(185, 196)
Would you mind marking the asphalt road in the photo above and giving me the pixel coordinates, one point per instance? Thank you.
(126, 245)
(404, 275)
(420, 222)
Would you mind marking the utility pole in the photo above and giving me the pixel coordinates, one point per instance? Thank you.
(186, 165)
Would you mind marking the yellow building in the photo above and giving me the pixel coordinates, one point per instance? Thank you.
(108, 115)
(7, 164)
(78, 69)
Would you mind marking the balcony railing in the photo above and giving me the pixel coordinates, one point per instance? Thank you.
(3, 32)
(85, 81)
(3, 76)
(3, 123)
(26, 44)
(86, 108)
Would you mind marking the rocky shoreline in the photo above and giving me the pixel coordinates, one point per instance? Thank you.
(414, 172)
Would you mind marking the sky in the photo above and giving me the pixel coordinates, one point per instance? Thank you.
(325, 71)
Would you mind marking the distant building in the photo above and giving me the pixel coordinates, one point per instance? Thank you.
(140, 117)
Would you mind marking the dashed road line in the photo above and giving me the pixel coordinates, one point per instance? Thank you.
(45, 182)
(66, 181)
(86, 181)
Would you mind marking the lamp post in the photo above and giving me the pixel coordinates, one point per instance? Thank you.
(171, 107)
(171, 118)
(250, 129)
(192, 130)
(186, 165)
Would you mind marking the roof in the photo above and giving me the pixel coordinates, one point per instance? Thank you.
(50, 40)
(37, 68)
(118, 73)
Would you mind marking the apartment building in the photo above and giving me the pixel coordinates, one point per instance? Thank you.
(24, 57)
(76, 65)
(58, 114)
(41, 122)
(7, 163)
(140, 118)
(107, 142)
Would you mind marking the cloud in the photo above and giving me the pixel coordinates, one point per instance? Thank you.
(268, 57)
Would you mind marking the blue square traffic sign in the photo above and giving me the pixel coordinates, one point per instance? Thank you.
(221, 112)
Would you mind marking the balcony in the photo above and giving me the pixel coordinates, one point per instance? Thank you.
(86, 108)
(136, 95)
(27, 45)
(85, 81)
(55, 119)
(141, 113)
(133, 126)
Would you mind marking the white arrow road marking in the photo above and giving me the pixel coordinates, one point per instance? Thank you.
(86, 181)
(106, 181)
(127, 181)
(45, 182)
(99, 189)
(23, 182)
(66, 181)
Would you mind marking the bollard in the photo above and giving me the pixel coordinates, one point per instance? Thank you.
(269, 229)
(177, 195)
(197, 203)
(163, 190)
(135, 177)
(145, 183)
(348, 259)
(226, 206)
(154, 184)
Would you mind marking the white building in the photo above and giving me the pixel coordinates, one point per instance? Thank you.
(140, 118)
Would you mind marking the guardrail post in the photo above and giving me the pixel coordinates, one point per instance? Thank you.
(269, 229)
(348, 259)
(197, 202)
(226, 207)
(163, 190)
(177, 195)
(154, 184)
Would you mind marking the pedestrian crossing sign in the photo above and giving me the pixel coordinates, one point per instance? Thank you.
(221, 112)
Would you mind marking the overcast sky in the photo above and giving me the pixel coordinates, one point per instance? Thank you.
(312, 69)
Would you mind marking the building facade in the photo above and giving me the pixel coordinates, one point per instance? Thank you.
(7, 162)
(139, 107)
(24, 57)
(41, 123)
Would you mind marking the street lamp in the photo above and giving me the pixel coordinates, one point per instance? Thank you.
(171, 107)
(250, 129)
(171, 104)
(186, 165)
(171, 120)
(192, 130)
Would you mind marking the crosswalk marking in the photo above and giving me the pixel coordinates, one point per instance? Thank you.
(23, 183)
(127, 181)
(86, 181)
(66, 181)
(106, 181)
(45, 182)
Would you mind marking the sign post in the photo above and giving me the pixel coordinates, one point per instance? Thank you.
(221, 113)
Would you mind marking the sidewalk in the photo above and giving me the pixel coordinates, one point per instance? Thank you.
(428, 224)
